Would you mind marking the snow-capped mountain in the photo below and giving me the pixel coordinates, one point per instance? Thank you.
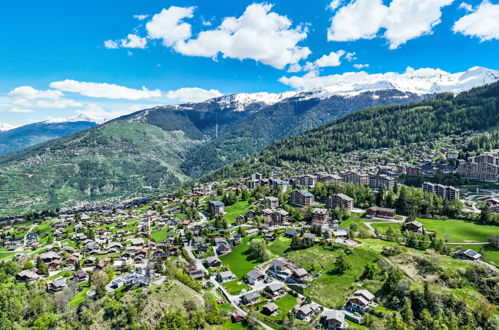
(74, 119)
(6, 127)
(241, 101)
(424, 81)
(421, 81)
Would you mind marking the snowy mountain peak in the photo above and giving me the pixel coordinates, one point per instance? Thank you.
(6, 127)
(420, 81)
(241, 101)
(75, 118)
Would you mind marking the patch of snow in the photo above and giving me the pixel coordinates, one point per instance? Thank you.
(6, 127)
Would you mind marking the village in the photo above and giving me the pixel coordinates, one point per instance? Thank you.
(269, 247)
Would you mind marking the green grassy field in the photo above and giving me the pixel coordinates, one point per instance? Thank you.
(238, 208)
(235, 287)
(457, 231)
(78, 298)
(321, 259)
(238, 261)
(491, 255)
(279, 246)
(159, 235)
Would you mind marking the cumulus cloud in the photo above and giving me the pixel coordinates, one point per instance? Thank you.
(133, 41)
(334, 4)
(30, 93)
(24, 98)
(104, 90)
(361, 19)
(192, 94)
(466, 6)
(402, 20)
(482, 23)
(111, 44)
(259, 34)
(169, 26)
(333, 59)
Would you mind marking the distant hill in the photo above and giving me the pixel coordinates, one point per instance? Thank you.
(382, 127)
(22, 137)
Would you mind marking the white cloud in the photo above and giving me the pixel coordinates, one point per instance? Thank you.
(192, 94)
(409, 19)
(360, 66)
(333, 59)
(58, 104)
(25, 98)
(111, 44)
(169, 26)
(402, 20)
(104, 90)
(466, 6)
(20, 110)
(361, 19)
(30, 93)
(482, 23)
(334, 4)
(133, 41)
(140, 17)
(350, 56)
(259, 34)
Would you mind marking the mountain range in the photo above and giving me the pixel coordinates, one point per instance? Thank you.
(156, 150)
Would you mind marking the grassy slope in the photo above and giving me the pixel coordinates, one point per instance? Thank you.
(115, 161)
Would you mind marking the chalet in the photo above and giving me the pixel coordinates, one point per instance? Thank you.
(201, 248)
(254, 276)
(278, 265)
(137, 241)
(49, 256)
(301, 198)
(339, 200)
(380, 212)
(226, 276)
(300, 274)
(467, 255)
(334, 319)
(269, 309)
(320, 216)
(415, 227)
(216, 208)
(27, 276)
(290, 233)
(197, 274)
(56, 285)
(213, 262)
(80, 275)
(173, 250)
(250, 298)
(223, 248)
(360, 301)
(274, 289)
(307, 311)
(271, 201)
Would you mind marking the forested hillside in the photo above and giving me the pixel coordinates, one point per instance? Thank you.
(156, 150)
(382, 127)
(293, 116)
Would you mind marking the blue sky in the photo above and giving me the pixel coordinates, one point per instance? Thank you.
(51, 48)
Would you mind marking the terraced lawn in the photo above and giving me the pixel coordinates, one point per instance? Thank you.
(457, 231)
(238, 261)
(238, 208)
(321, 259)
